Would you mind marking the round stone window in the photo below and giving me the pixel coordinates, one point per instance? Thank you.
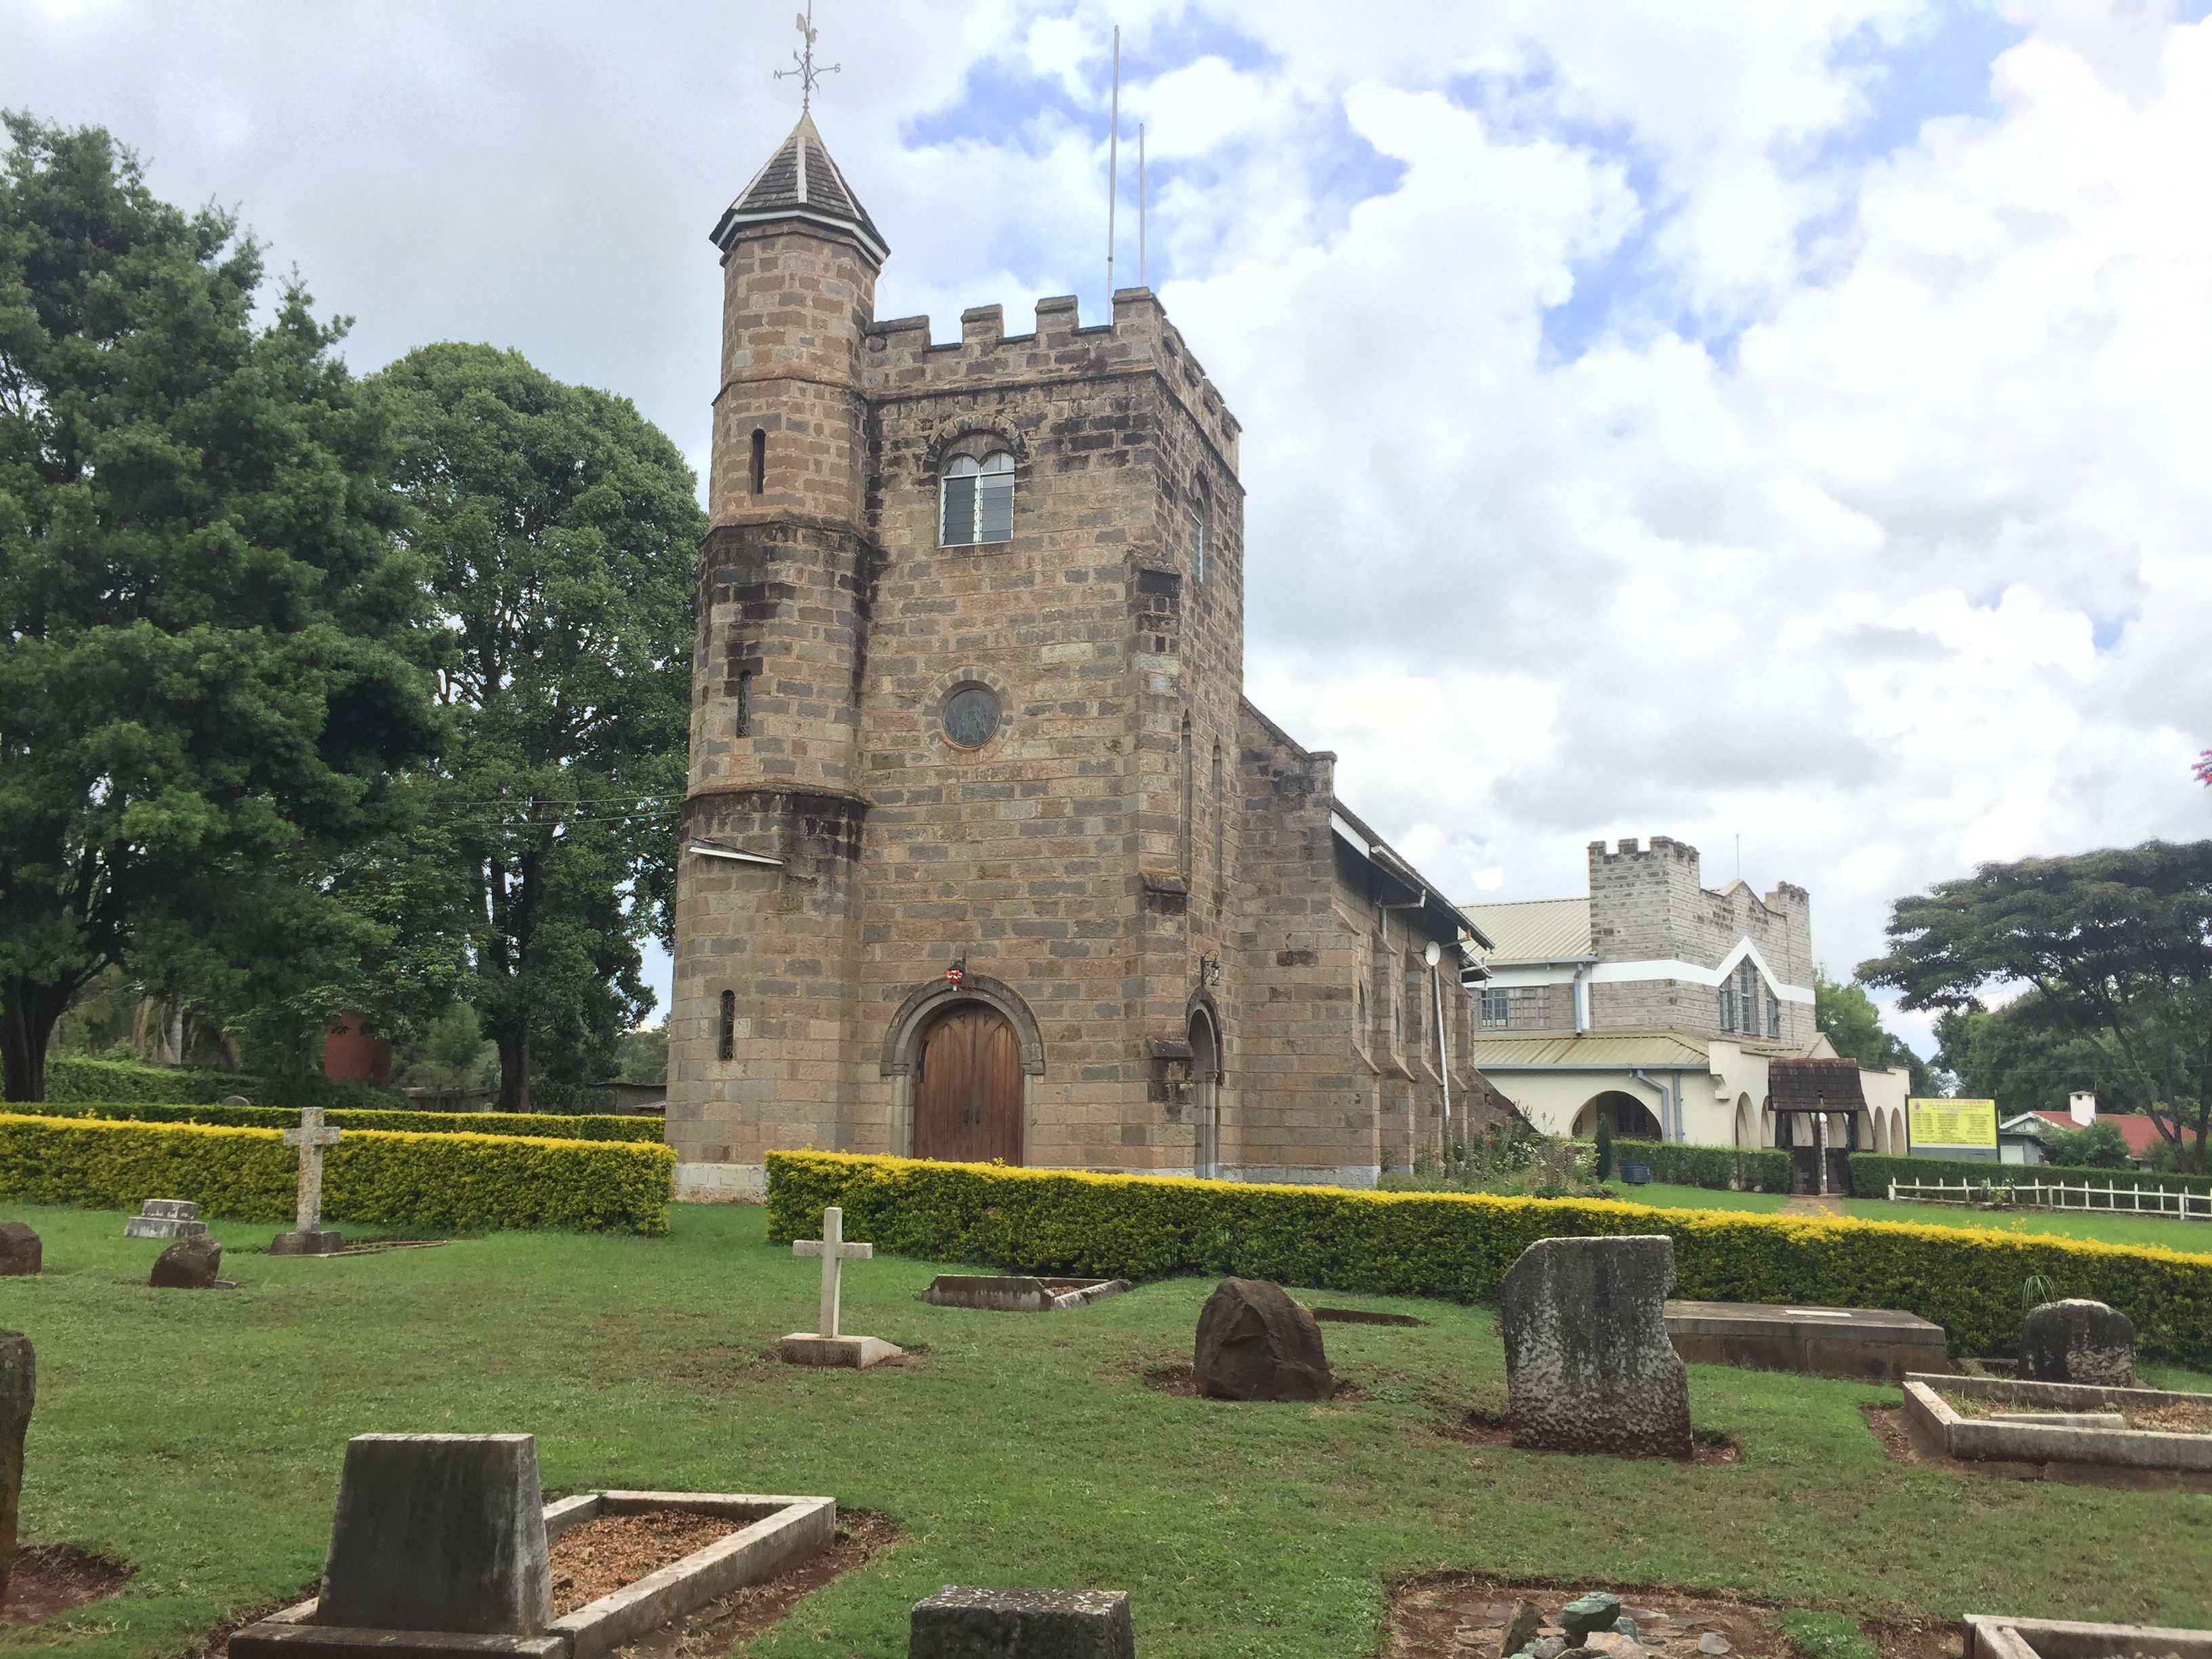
(971, 716)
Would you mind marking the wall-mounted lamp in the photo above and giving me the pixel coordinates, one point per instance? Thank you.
(1209, 970)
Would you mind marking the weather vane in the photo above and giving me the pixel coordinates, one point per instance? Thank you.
(809, 76)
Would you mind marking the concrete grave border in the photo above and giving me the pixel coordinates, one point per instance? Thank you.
(1019, 1293)
(1990, 1635)
(1978, 1438)
(781, 1530)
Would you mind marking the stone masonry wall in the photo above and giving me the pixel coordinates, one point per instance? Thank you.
(1650, 905)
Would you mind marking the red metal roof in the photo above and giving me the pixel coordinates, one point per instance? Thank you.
(2138, 1130)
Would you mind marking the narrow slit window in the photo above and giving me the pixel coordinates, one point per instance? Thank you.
(745, 703)
(976, 500)
(1197, 545)
(1727, 1007)
(726, 1045)
(1773, 1016)
(759, 470)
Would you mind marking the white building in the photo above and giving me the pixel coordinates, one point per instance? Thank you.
(1657, 1003)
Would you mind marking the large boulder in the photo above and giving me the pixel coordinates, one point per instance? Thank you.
(2078, 1341)
(1255, 1343)
(1589, 1367)
(440, 1532)
(19, 1389)
(958, 1623)
(20, 1249)
(190, 1264)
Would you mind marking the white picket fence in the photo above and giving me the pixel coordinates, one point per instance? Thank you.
(2057, 1195)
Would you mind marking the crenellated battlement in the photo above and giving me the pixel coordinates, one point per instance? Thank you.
(899, 358)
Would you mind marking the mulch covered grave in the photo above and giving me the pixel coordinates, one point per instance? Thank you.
(1463, 1616)
(743, 1614)
(52, 1578)
(601, 1556)
(2178, 1417)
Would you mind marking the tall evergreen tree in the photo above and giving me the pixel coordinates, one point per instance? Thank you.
(210, 646)
(561, 529)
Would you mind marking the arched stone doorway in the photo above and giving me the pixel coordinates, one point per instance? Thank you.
(1205, 1094)
(968, 1090)
(1630, 1118)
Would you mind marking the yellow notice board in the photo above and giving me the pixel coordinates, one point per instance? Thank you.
(1951, 1122)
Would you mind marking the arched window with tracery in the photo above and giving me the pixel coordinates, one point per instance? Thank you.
(976, 501)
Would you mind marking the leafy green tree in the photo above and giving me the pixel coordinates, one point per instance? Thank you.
(561, 529)
(211, 650)
(645, 1055)
(2007, 1055)
(2116, 947)
(2099, 1147)
(1852, 1024)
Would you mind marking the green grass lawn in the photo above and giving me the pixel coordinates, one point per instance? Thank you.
(2172, 1233)
(200, 1435)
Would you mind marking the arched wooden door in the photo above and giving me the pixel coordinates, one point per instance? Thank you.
(968, 1088)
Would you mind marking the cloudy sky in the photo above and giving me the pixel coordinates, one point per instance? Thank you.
(1713, 418)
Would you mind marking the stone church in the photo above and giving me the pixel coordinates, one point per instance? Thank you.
(985, 855)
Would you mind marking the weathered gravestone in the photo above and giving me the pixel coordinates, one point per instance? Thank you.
(165, 1217)
(1588, 1365)
(308, 1236)
(20, 1249)
(440, 1532)
(2078, 1341)
(18, 1391)
(1255, 1343)
(1021, 1624)
(190, 1264)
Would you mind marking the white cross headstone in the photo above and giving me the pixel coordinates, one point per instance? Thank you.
(835, 1253)
(311, 1137)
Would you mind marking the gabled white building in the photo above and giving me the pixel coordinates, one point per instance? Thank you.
(1655, 1002)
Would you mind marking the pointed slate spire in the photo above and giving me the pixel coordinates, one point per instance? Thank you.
(801, 182)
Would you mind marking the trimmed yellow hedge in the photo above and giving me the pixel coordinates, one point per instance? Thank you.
(1458, 1245)
(545, 1125)
(461, 1182)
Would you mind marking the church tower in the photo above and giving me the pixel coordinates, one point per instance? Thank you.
(985, 856)
(772, 825)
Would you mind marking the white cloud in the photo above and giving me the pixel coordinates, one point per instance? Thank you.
(1865, 515)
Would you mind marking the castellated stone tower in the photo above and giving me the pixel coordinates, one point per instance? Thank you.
(984, 855)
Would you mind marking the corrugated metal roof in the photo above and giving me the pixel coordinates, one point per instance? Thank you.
(1534, 930)
(1660, 1049)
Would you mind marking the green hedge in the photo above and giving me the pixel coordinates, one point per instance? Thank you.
(1718, 1168)
(71, 1080)
(1871, 1174)
(458, 1183)
(1458, 1245)
(542, 1124)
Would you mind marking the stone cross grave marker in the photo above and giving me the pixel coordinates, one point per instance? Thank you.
(826, 1346)
(308, 1239)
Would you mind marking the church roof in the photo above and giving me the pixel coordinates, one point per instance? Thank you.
(1535, 930)
(801, 182)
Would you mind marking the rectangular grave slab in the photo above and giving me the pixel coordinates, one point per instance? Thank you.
(1017, 1293)
(1883, 1344)
(165, 1217)
(1994, 1637)
(1021, 1624)
(772, 1532)
(1985, 1438)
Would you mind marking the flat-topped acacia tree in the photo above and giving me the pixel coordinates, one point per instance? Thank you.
(2114, 946)
(212, 651)
(561, 530)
